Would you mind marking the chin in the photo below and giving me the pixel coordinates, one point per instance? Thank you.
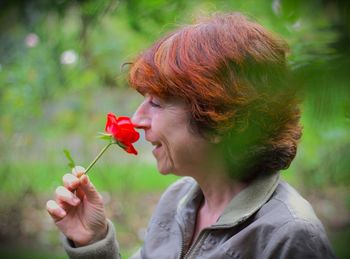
(164, 170)
(167, 171)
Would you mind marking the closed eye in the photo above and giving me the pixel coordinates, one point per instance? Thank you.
(154, 103)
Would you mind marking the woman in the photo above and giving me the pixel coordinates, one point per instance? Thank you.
(219, 110)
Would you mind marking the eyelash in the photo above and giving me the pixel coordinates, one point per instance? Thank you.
(154, 104)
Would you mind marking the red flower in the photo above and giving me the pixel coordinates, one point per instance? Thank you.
(123, 131)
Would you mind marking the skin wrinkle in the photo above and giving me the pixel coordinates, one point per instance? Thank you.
(167, 144)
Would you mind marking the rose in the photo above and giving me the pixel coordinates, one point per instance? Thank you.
(118, 130)
(123, 132)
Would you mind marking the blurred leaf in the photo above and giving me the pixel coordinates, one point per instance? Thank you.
(105, 136)
(71, 163)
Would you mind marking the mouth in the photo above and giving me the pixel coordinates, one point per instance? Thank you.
(156, 148)
(156, 145)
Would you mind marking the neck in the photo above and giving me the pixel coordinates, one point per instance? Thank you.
(218, 189)
(214, 179)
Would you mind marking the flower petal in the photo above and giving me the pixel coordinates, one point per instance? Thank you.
(126, 135)
(130, 149)
(123, 120)
(111, 123)
(123, 131)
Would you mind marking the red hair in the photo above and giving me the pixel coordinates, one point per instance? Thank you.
(233, 74)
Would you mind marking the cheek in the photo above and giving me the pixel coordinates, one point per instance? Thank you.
(157, 124)
(192, 149)
(181, 146)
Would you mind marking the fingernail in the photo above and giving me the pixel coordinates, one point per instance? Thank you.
(79, 170)
(76, 201)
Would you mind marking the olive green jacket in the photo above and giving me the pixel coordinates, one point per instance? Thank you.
(268, 219)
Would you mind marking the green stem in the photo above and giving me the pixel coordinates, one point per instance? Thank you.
(97, 157)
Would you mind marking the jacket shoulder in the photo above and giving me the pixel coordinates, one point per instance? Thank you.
(299, 239)
(177, 190)
(287, 205)
(295, 230)
(168, 203)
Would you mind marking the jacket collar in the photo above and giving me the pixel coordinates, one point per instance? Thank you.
(249, 200)
(242, 206)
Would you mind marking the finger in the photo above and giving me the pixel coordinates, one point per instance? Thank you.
(80, 193)
(78, 171)
(55, 211)
(64, 205)
(64, 195)
(89, 189)
(70, 181)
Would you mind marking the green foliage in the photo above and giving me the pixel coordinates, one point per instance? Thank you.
(71, 163)
(61, 72)
(30, 254)
(44, 178)
(80, 47)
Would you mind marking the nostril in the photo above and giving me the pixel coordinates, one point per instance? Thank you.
(137, 126)
(141, 126)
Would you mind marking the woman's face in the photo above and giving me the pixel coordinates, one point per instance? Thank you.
(166, 124)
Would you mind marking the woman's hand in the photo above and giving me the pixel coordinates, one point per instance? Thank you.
(78, 210)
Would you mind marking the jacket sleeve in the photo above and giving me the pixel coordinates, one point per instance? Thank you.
(106, 248)
(299, 239)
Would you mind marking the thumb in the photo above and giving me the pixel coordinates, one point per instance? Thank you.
(78, 171)
(89, 189)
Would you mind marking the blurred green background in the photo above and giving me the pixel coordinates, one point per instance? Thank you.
(61, 72)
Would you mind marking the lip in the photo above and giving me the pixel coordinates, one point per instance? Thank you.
(156, 146)
(156, 149)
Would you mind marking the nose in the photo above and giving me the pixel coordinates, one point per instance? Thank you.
(141, 118)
